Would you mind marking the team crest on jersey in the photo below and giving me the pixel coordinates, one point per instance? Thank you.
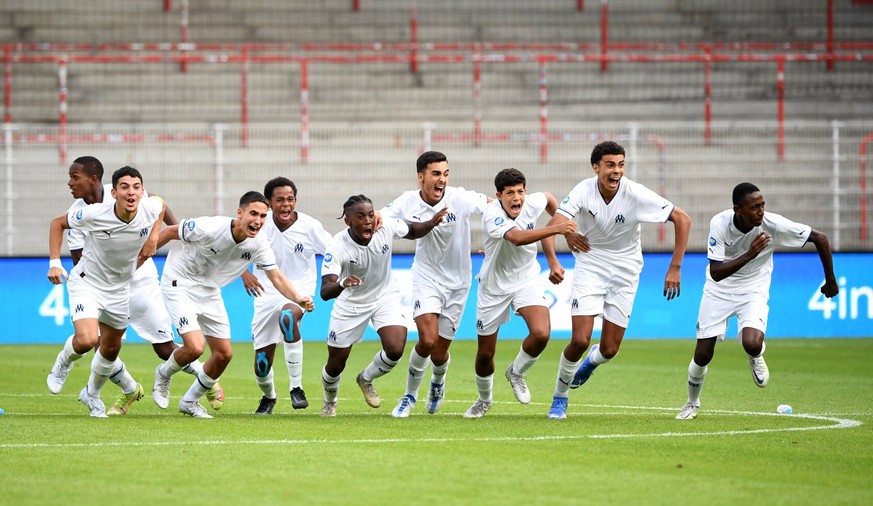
(79, 308)
(451, 218)
(144, 232)
(712, 241)
(530, 226)
(417, 305)
(480, 325)
(574, 304)
(385, 248)
(331, 336)
(619, 218)
(298, 248)
(498, 221)
(246, 256)
(183, 321)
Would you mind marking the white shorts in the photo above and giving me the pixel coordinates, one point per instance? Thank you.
(89, 301)
(265, 322)
(196, 308)
(493, 309)
(148, 314)
(449, 304)
(347, 324)
(607, 291)
(751, 311)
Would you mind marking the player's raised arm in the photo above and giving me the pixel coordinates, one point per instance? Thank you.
(522, 237)
(56, 273)
(721, 270)
(169, 217)
(251, 284)
(167, 234)
(556, 270)
(682, 225)
(286, 288)
(332, 286)
(417, 230)
(151, 245)
(823, 246)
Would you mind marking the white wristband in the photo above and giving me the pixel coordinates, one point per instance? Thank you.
(342, 282)
(55, 262)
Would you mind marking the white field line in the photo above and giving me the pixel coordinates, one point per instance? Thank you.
(831, 423)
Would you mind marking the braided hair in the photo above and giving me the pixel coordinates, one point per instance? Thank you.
(353, 201)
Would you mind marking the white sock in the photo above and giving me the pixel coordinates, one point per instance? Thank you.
(380, 366)
(523, 362)
(566, 371)
(194, 368)
(171, 367)
(696, 375)
(417, 367)
(101, 369)
(68, 353)
(266, 385)
(330, 385)
(438, 375)
(294, 362)
(485, 384)
(596, 358)
(198, 389)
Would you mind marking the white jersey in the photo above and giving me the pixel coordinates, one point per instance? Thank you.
(295, 249)
(508, 267)
(443, 255)
(111, 245)
(208, 255)
(726, 243)
(371, 263)
(76, 238)
(613, 229)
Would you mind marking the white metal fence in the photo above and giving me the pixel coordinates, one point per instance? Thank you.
(202, 169)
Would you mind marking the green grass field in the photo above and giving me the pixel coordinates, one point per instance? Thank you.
(619, 445)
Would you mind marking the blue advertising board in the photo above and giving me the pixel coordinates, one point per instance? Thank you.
(35, 311)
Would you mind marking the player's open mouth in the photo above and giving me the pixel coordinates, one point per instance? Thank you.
(367, 233)
(285, 215)
(438, 190)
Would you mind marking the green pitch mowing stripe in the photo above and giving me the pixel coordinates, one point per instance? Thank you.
(619, 445)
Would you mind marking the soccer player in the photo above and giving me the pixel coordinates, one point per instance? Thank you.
(357, 273)
(296, 238)
(212, 251)
(740, 252)
(509, 279)
(608, 209)
(441, 273)
(120, 233)
(148, 315)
